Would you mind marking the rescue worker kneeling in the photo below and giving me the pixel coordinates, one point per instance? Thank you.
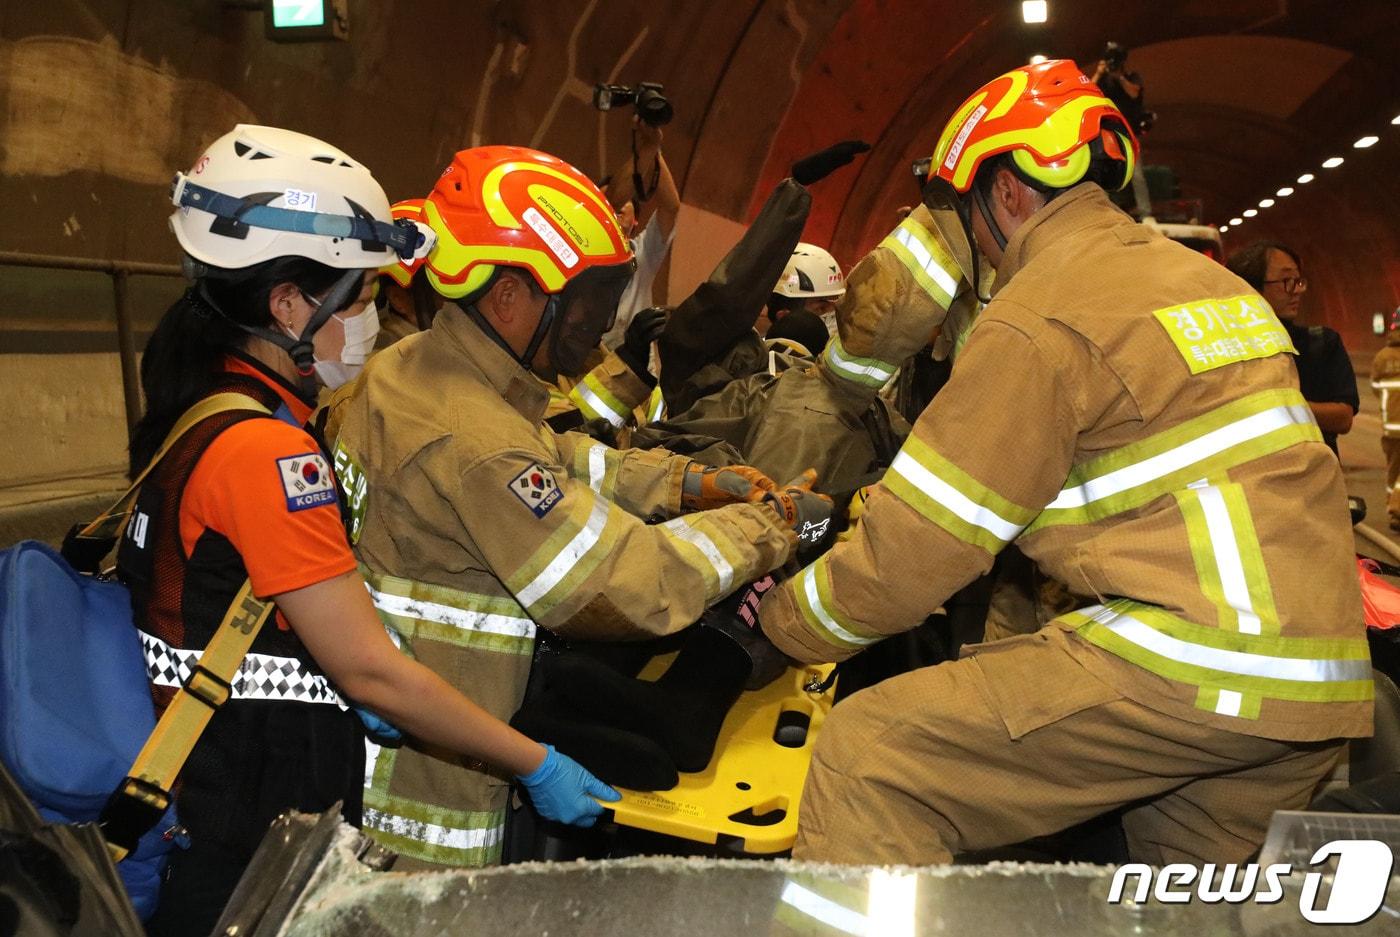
(1125, 411)
(474, 523)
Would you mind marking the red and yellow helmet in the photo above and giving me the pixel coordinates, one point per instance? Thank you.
(1050, 117)
(517, 207)
(401, 271)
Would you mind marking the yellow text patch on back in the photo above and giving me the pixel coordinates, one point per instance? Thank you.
(1211, 333)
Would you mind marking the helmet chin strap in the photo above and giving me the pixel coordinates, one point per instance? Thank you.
(300, 349)
(547, 319)
(980, 198)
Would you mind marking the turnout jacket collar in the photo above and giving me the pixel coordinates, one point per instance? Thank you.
(454, 329)
(1081, 207)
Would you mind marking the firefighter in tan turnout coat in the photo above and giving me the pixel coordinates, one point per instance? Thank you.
(474, 523)
(1125, 411)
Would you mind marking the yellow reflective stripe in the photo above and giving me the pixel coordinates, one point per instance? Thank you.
(930, 264)
(868, 372)
(717, 569)
(812, 589)
(1216, 660)
(460, 838)
(656, 406)
(597, 465)
(953, 499)
(1255, 426)
(1229, 560)
(566, 558)
(416, 609)
(595, 401)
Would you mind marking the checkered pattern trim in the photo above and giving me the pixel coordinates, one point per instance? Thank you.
(260, 676)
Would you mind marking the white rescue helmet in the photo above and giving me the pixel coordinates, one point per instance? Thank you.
(811, 273)
(258, 193)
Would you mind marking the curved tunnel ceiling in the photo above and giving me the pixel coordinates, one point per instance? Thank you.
(1248, 96)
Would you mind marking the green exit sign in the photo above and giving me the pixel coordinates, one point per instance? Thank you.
(303, 20)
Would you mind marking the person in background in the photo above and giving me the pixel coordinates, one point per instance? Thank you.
(1325, 375)
(1385, 380)
(1122, 87)
(644, 195)
(812, 281)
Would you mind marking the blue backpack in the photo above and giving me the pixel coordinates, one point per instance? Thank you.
(75, 698)
(75, 701)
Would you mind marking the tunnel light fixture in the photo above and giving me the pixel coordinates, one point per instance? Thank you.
(1250, 212)
(1284, 192)
(1305, 178)
(1236, 222)
(1396, 121)
(1035, 11)
(1037, 59)
(1366, 142)
(1266, 203)
(1332, 162)
(1224, 228)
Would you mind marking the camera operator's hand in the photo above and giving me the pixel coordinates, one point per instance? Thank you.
(645, 328)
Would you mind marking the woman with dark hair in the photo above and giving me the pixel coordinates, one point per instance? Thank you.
(282, 234)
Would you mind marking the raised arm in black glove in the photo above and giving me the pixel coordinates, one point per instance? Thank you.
(635, 350)
(823, 163)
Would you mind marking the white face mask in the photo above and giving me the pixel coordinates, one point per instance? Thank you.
(361, 330)
(829, 320)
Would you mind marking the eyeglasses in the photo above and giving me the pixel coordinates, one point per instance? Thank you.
(1291, 284)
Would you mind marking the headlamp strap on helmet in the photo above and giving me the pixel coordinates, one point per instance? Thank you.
(403, 237)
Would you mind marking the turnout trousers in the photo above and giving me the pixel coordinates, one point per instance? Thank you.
(1018, 740)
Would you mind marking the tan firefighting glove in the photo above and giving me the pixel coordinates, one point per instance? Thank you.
(705, 487)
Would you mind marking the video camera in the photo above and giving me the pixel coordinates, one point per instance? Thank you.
(648, 98)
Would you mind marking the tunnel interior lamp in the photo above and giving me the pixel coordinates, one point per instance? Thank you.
(1266, 203)
(1035, 11)
(1224, 228)
(1366, 142)
(1396, 121)
(306, 20)
(1332, 163)
(1284, 192)
(1305, 178)
(1250, 212)
(1236, 222)
(1037, 59)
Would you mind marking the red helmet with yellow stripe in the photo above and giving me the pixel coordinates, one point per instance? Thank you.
(1054, 122)
(501, 207)
(517, 207)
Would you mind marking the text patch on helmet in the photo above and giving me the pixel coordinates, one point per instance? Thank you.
(1211, 333)
(536, 489)
(306, 481)
(552, 239)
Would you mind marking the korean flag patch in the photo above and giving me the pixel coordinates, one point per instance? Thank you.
(536, 489)
(306, 481)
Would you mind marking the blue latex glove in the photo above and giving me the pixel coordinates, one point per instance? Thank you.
(377, 728)
(562, 789)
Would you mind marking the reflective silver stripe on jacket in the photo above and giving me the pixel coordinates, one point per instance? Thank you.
(260, 676)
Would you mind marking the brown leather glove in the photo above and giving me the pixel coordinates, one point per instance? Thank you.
(807, 512)
(705, 487)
